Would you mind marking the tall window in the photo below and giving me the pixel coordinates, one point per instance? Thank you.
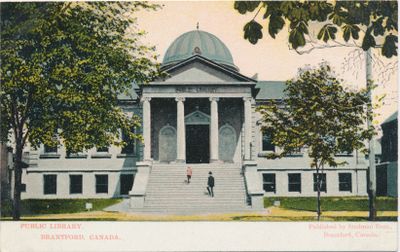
(129, 148)
(267, 144)
(50, 184)
(126, 182)
(102, 149)
(345, 184)
(50, 149)
(23, 187)
(323, 182)
(101, 183)
(294, 182)
(75, 184)
(269, 182)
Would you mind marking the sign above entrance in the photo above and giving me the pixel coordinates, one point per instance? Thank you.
(196, 90)
(197, 118)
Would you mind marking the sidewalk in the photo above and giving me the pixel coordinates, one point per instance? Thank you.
(269, 214)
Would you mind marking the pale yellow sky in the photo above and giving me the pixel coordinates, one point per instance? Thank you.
(270, 58)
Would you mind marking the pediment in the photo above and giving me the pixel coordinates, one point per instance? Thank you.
(199, 69)
(197, 118)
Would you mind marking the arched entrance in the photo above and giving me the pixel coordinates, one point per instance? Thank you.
(197, 137)
(167, 144)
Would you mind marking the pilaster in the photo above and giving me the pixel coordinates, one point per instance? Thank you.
(247, 127)
(180, 130)
(214, 134)
(146, 128)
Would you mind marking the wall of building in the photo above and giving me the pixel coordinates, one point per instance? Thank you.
(231, 113)
(163, 113)
(6, 163)
(389, 141)
(358, 177)
(35, 184)
(300, 163)
(88, 164)
(392, 182)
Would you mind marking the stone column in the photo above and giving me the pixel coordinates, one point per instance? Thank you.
(214, 148)
(146, 128)
(247, 127)
(180, 130)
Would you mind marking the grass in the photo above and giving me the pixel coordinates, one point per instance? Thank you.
(31, 207)
(332, 203)
(291, 209)
(271, 214)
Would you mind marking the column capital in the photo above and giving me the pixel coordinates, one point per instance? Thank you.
(180, 99)
(145, 99)
(216, 99)
(248, 99)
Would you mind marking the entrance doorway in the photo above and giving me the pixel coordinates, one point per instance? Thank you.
(197, 144)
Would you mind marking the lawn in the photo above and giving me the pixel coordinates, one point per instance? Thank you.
(290, 209)
(31, 207)
(332, 203)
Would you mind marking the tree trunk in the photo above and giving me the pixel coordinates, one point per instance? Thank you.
(16, 213)
(372, 204)
(372, 167)
(318, 195)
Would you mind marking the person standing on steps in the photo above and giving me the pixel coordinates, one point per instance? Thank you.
(189, 174)
(210, 184)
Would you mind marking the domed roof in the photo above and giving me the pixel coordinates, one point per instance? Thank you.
(201, 43)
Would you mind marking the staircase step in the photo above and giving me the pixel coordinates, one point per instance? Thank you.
(167, 190)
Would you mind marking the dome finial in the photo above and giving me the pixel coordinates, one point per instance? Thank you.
(197, 26)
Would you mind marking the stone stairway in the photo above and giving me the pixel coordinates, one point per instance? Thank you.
(168, 192)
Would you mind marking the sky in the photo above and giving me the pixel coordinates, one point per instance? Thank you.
(270, 58)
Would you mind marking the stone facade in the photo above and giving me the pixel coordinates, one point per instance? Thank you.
(203, 112)
(387, 169)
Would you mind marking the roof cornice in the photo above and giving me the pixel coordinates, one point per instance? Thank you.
(212, 64)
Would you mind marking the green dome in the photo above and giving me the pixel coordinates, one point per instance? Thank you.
(200, 43)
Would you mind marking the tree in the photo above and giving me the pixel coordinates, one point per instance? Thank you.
(62, 67)
(319, 114)
(362, 24)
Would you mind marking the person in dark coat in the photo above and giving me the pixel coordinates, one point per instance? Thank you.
(210, 184)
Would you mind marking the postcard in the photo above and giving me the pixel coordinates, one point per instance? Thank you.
(199, 126)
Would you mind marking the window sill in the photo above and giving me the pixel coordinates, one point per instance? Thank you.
(127, 155)
(265, 153)
(295, 155)
(101, 155)
(50, 156)
(71, 156)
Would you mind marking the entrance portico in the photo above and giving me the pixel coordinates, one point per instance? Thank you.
(208, 117)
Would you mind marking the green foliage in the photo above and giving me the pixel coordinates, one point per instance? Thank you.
(63, 65)
(319, 114)
(332, 203)
(56, 206)
(327, 32)
(376, 19)
(62, 68)
(253, 32)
